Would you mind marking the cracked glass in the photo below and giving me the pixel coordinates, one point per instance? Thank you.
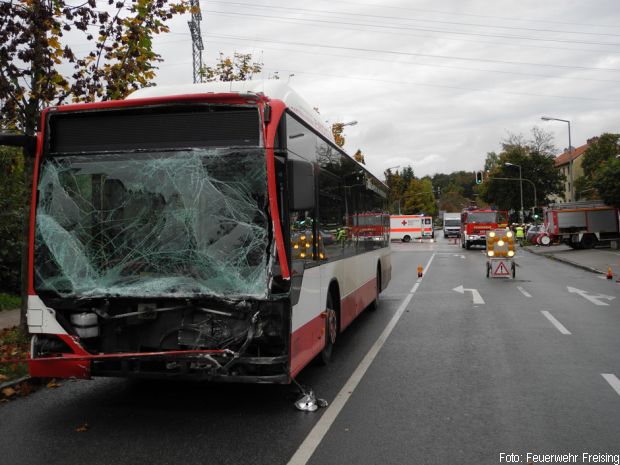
(175, 223)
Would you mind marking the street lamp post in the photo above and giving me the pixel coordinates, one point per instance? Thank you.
(520, 187)
(570, 156)
(523, 179)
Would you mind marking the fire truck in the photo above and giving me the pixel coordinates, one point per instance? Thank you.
(407, 227)
(582, 225)
(475, 222)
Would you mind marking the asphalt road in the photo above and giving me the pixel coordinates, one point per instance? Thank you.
(454, 382)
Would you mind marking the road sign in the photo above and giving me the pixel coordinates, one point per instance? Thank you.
(500, 269)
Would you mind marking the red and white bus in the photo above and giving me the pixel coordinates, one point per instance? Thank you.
(190, 232)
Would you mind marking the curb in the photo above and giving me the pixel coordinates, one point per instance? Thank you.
(14, 382)
(550, 256)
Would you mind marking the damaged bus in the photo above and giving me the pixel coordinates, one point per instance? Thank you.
(197, 231)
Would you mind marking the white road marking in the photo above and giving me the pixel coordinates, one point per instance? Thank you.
(613, 381)
(559, 326)
(524, 292)
(314, 438)
(474, 293)
(594, 298)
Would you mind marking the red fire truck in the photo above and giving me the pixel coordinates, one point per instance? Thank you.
(583, 225)
(475, 222)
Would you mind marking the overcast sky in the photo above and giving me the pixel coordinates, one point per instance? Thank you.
(434, 85)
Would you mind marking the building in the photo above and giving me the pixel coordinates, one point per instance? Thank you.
(562, 163)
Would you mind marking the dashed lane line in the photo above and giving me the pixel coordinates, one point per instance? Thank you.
(524, 292)
(559, 326)
(613, 381)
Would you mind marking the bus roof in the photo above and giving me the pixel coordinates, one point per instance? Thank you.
(273, 89)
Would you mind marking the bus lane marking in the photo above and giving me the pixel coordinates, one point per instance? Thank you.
(318, 432)
(559, 326)
(613, 381)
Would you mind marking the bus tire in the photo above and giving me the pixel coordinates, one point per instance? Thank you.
(375, 303)
(331, 329)
(406, 238)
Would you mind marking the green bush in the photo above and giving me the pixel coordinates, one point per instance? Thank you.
(9, 302)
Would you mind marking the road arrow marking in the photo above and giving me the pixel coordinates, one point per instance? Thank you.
(594, 298)
(474, 293)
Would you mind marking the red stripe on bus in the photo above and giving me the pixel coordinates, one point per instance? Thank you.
(308, 340)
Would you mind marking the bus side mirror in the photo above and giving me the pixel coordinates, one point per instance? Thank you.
(301, 185)
(28, 143)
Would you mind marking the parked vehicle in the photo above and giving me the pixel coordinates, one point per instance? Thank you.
(475, 222)
(407, 227)
(451, 225)
(533, 232)
(583, 225)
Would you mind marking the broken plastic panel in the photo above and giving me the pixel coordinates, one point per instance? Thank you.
(158, 224)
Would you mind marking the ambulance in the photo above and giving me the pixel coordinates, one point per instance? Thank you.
(408, 227)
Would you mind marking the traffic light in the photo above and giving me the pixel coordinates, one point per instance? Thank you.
(479, 177)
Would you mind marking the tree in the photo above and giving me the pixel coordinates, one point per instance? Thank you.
(419, 198)
(359, 157)
(537, 165)
(599, 162)
(337, 130)
(11, 213)
(37, 69)
(606, 182)
(240, 67)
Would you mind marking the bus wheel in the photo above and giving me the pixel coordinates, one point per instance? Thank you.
(406, 238)
(375, 303)
(331, 331)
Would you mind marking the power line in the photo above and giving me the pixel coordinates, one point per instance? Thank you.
(426, 55)
(409, 28)
(400, 18)
(484, 70)
(460, 14)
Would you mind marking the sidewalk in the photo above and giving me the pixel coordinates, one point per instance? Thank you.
(595, 260)
(9, 318)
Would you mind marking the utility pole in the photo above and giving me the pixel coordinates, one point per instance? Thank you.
(197, 47)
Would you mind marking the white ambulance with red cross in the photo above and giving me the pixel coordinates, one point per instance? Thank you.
(408, 227)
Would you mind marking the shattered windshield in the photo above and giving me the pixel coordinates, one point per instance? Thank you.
(175, 223)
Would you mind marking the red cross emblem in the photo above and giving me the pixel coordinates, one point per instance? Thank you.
(404, 223)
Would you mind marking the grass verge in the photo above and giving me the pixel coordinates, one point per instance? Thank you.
(9, 302)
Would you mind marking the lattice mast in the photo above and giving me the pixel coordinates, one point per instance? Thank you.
(197, 47)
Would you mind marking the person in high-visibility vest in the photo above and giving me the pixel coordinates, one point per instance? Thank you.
(520, 235)
(341, 236)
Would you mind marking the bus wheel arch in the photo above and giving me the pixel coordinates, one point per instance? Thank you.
(378, 284)
(332, 322)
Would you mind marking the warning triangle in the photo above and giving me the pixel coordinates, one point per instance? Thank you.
(501, 270)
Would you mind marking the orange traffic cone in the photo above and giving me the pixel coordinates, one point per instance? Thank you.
(610, 275)
(420, 271)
